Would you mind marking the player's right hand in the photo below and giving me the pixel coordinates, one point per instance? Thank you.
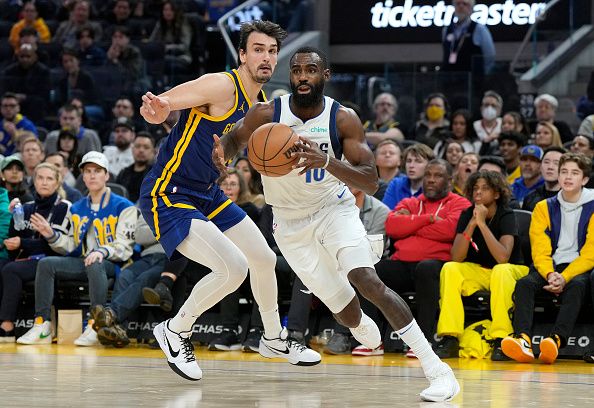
(154, 109)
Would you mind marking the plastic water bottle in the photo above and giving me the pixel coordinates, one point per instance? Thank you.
(18, 214)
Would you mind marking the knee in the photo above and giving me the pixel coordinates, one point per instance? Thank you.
(237, 271)
(264, 259)
(500, 271)
(449, 271)
(368, 284)
(45, 267)
(95, 270)
(523, 285)
(428, 270)
(578, 285)
(9, 269)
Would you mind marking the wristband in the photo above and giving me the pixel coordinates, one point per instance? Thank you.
(327, 161)
(469, 239)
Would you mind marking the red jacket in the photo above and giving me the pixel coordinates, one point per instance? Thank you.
(417, 237)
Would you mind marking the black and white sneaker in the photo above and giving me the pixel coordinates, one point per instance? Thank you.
(288, 349)
(179, 351)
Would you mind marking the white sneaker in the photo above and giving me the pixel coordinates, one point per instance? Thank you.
(367, 333)
(40, 333)
(286, 348)
(443, 386)
(88, 338)
(179, 351)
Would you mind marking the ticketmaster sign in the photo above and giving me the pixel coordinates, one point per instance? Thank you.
(418, 21)
(391, 14)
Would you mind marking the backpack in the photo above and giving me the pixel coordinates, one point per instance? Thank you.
(475, 341)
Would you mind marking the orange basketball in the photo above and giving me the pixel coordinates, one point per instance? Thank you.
(270, 147)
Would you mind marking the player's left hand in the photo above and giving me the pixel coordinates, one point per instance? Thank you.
(218, 157)
(310, 156)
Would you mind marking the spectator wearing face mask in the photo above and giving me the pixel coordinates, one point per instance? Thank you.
(488, 127)
(434, 125)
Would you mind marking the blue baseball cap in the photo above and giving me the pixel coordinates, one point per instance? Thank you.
(532, 150)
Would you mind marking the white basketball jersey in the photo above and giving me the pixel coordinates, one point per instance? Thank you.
(294, 196)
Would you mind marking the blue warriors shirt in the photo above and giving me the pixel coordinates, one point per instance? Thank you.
(185, 158)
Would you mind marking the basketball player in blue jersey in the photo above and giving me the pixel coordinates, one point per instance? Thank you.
(317, 224)
(191, 216)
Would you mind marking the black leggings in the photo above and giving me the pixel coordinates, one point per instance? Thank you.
(14, 274)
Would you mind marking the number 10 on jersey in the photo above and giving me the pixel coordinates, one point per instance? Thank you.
(314, 175)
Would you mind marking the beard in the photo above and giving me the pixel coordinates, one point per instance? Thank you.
(314, 97)
(122, 144)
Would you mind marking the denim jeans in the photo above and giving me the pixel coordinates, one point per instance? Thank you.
(65, 268)
(127, 292)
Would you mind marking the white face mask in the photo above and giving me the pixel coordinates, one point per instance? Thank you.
(489, 113)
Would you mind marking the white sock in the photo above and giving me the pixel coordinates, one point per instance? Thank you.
(271, 322)
(412, 335)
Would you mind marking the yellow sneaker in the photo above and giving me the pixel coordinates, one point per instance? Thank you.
(518, 347)
(549, 349)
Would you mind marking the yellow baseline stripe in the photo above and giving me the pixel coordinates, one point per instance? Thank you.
(219, 209)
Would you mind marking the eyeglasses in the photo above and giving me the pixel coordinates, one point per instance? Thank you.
(231, 184)
(9, 105)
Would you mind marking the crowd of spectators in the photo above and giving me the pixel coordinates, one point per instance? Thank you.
(93, 51)
(446, 203)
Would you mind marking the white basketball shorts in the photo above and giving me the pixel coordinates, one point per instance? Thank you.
(323, 248)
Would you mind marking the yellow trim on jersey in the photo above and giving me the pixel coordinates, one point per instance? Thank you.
(163, 180)
(245, 95)
(219, 209)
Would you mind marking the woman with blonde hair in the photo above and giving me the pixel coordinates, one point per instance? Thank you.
(547, 135)
(45, 217)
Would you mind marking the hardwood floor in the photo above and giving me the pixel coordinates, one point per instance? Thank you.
(67, 376)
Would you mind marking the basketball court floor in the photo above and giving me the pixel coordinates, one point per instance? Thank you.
(69, 376)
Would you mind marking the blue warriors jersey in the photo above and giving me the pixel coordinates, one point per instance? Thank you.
(186, 155)
(181, 186)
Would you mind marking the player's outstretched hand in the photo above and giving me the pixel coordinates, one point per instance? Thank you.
(310, 156)
(154, 109)
(218, 157)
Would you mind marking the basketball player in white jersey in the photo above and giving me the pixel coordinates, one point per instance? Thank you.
(317, 223)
